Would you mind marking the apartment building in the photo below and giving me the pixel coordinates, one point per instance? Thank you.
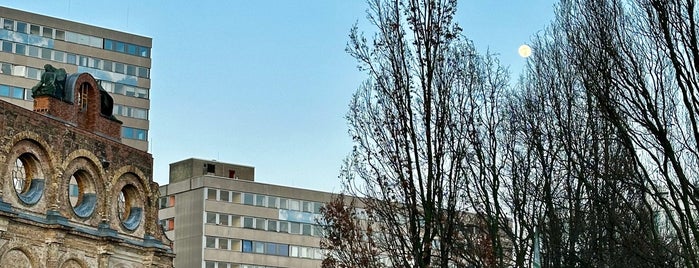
(219, 217)
(120, 62)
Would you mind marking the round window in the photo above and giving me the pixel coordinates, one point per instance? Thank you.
(27, 178)
(81, 194)
(129, 208)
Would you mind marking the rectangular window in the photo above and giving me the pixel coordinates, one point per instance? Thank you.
(306, 229)
(293, 251)
(9, 25)
(33, 51)
(283, 227)
(6, 68)
(223, 243)
(259, 247)
(170, 224)
(283, 203)
(130, 70)
(171, 201)
(223, 219)
(33, 73)
(211, 217)
(131, 49)
(247, 246)
(18, 93)
(260, 224)
(209, 264)
(283, 250)
(142, 72)
(271, 202)
(21, 27)
(59, 56)
(119, 46)
(108, 44)
(48, 32)
(60, 35)
(118, 67)
(271, 225)
(4, 90)
(7, 46)
(225, 195)
(316, 207)
(248, 199)
(210, 168)
(20, 49)
(294, 228)
(248, 222)
(71, 58)
(260, 200)
(211, 194)
(34, 29)
(46, 53)
(210, 242)
(107, 65)
(294, 205)
(271, 249)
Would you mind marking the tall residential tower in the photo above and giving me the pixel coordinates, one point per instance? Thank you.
(119, 61)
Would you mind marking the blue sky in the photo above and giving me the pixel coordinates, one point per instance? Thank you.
(267, 83)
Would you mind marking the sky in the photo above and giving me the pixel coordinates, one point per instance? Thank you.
(268, 83)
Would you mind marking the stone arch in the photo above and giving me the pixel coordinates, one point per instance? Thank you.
(14, 254)
(133, 183)
(82, 201)
(71, 260)
(29, 155)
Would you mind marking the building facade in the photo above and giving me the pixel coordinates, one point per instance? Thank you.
(219, 217)
(120, 62)
(72, 195)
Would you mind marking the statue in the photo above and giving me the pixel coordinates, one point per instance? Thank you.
(53, 82)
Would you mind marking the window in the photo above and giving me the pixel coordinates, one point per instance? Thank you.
(283, 250)
(58, 56)
(260, 200)
(225, 195)
(21, 27)
(108, 65)
(82, 96)
(131, 49)
(7, 47)
(223, 243)
(18, 93)
(271, 202)
(168, 224)
(294, 205)
(248, 222)
(33, 51)
(294, 228)
(283, 227)
(259, 247)
(9, 25)
(248, 199)
(283, 203)
(306, 230)
(293, 251)
(48, 32)
(34, 29)
(247, 246)
(119, 46)
(211, 194)
(210, 264)
(260, 224)
(271, 249)
(211, 217)
(4, 90)
(60, 35)
(118, 67)
(20, 49)
(210, 168)
(130, 70)
(210, 242)
(6, 68)
(71, 58)
(271, 225)
(307, 206)
(108, 44)
(223, 219)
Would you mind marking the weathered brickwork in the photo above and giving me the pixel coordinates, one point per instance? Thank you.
(71, 195)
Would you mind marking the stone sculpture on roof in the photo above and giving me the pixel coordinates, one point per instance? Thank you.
(52, 82)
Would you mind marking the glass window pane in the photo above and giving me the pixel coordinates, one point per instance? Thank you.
(5, 68)
(248, 199)
(142, 72)
(107, 65)
(307, 206)
(108, 44)
(271, 249)
(20, 49)
(130, 70)
(131, 49)
(260, 200)
(210, 217)
(46, 53)
(272, 202)
(34, 29)
(223, 243)
(223, 219)
(259, 247)
(247, 246)
(9, 25)
(7, 46)
(306, 229)
(48, 32)
(119, 67)
(21, 27)
(225, 196)
(210, 264)
(18, 93)
(283, 227)
(210, 242)
(60, 35)
(247, 222)
(71, 58)
(283, 203)
(316, 207)
(211, 194)
(294, 251)
(294, 228)
(4, 90)
(283, 250)
(119, 46)
(260, 224)
(271, 225)
(294, 205)
(58, 56)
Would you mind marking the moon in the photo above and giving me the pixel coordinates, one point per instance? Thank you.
(524, 51)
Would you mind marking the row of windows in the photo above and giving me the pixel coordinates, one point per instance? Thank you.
(271, 225)
(125, 90)
(93, 41)
(21, 71)
(34, 73)
(134, 133)
(15, 92)
(264, 201)
(259, 247)
(222, 264)
(74, 59)
(129, 111)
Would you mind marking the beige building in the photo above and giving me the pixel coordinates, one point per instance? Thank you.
(219, 217)
(120, 61)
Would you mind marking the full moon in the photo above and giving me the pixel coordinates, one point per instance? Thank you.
(524, 51)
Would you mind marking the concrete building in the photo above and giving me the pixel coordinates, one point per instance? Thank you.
(72, 195)
(219, 217)
(120, 61)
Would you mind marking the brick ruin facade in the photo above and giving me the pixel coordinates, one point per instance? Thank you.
(72, 195)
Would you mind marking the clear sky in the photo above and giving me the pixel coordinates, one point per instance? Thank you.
(267, 83)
